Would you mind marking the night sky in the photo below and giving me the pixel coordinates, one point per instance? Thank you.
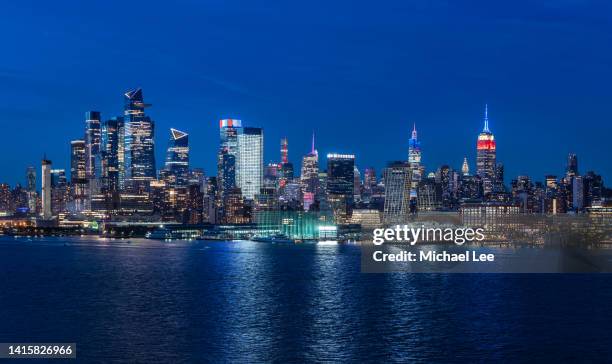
(358, 73)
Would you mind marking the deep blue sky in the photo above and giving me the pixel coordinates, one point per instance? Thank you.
(359, 73)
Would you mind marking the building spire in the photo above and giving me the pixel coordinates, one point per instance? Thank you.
(486, 120)
(414, 131)
(312, 150)
(465, 168)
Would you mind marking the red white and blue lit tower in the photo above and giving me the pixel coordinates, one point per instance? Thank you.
(485, 155)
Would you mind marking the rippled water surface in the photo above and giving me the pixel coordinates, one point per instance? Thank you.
(147, 301)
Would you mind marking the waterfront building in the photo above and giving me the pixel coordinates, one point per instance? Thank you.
(266, 199)
(235, 210)
(138, 140)
(249, 164)
(485, 155)
(398, 186)
(46, 189)
(369, 219)
(340, 184)
(193, 213)
(177, 157)
(295, 225)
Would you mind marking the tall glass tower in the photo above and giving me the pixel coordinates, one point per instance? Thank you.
(92, 143)
(341, 184)
(177, 157)
(397, 192)
(110, 146)
(228, 151)
(78, 173)
(139, 155)
(249, 164)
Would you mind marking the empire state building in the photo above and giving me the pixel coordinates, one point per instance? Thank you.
(485, 155)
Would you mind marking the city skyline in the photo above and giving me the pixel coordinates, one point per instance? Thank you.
(161, 152)
(542, 68)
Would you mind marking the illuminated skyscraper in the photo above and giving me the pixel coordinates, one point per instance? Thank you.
(59, 191)
(46, 189)
(177, 157)
(78, 173)
(286, 167)
(485, 159)
(340, 184)
(249, 164)
(369, 179)
(139, 154)
(228, 151)
(226, 163)
(228, 133)
(77, 160)
(357, 184)
(31, 188)
(397, 192)
(414, 161)
(465, 168)
(309, 178)
(572, 165)
(92, 143)
(110, 148)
